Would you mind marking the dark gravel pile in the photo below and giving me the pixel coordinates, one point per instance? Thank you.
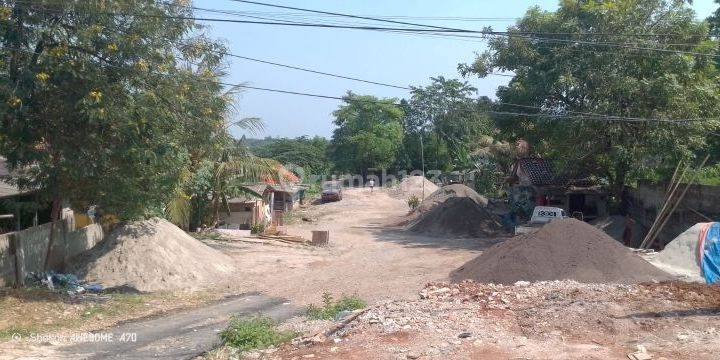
(457, 216)
(563, 249)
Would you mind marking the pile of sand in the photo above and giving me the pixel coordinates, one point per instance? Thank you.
(457, 216)
(450, 191)
(563, 249)
(413, 185)
(680, 256)
(152, 255)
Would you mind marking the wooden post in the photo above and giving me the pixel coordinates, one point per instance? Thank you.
(17, 248)
(320, 238)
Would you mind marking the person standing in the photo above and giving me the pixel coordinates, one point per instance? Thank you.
(371, 183)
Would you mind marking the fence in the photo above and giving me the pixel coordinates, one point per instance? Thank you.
(700, 204)
(24, 251)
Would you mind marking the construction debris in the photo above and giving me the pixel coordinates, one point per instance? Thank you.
(562, 249)
(542, 320)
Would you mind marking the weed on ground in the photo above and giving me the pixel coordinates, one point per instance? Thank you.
(254, 333)
(331, 308)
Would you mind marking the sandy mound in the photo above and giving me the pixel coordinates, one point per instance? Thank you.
(680, 255)
(457, 216)
(562, 249)
(152, 255)
(613, 225)
(413, 185)
(450, 191)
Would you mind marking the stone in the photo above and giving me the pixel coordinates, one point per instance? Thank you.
(412, 355)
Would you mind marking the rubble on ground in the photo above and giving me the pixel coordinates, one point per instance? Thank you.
(549, 319)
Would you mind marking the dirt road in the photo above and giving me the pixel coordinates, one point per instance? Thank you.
(368, 256)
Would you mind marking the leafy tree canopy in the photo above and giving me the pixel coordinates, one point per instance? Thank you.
(568, 72)
(449, 110)
(101, 106)
(308, 153)
(368, 134)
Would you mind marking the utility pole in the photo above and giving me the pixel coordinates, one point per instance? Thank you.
(422, 157)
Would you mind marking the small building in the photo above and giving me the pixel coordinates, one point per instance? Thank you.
(249, 209)
(286, 197)
(533, 182)
(266, 202)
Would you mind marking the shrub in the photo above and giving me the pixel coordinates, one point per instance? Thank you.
(413, 202)
(331, 308)
(258, 228)
(254, 333)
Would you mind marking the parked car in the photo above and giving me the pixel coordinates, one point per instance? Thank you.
(541, 215)
(332, 191)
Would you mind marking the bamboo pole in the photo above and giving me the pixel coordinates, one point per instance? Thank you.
(679, 200)
(651, 236)
(673, 188)
(672, 179)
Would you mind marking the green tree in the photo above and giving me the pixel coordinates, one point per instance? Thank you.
(101, 106)
(309, 153)
(368, 134)
(568, 62)
(449, 118)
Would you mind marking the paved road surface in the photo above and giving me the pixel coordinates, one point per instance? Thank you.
(182, 335)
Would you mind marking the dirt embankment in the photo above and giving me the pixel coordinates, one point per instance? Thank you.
(562, 249)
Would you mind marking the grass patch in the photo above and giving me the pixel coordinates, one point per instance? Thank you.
(207, 235)
(330, 307)
(246, 333)
(7, 334)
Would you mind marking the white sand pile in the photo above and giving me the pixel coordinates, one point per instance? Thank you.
(679, 257)
(450, 191)
(613, 225)
(153, 255)
(413, 185)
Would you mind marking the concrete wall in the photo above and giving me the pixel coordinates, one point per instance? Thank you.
(646, 200)
(33, 245)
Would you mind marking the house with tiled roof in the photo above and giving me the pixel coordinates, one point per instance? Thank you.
(265, 202)
(534, 182)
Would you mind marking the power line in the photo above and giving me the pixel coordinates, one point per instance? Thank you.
(444, 28)
(436, 32)
(314, 71)
(350, 16)
(578, 116)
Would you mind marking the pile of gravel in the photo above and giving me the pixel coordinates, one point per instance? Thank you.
(563, 249)
(152, 255)
(457, 216)
(450, 191)
(413, 186)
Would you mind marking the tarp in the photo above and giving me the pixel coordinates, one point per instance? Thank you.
(709, 252)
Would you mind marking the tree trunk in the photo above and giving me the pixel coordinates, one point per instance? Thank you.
(54, 216)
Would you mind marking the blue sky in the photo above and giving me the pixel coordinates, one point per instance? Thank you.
(390, 58)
